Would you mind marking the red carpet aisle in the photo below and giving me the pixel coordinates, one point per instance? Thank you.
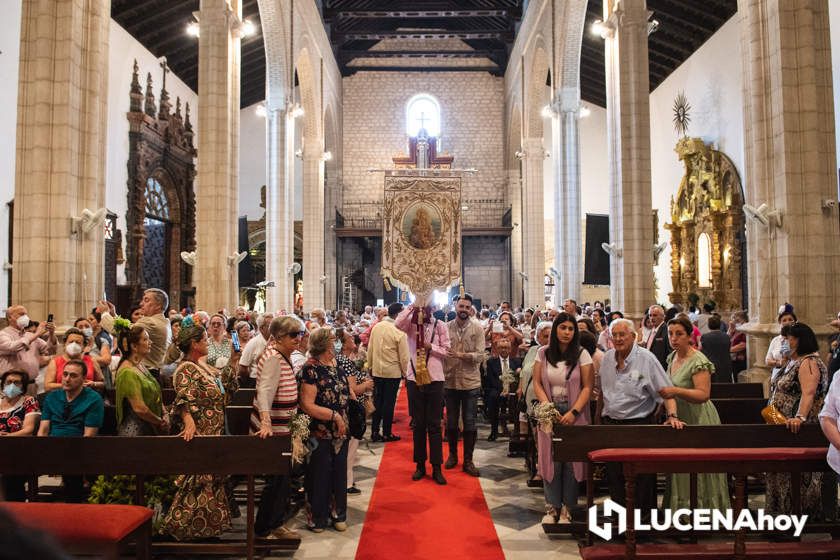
(421, 520)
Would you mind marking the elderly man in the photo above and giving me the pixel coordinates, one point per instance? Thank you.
(25, 351)
(74, 411)
(153, 305)
(631, 378)
(657, 341)
(462, 384)
(380, 314)
(368, 314)
(253, 350)
(570, 307)
(388, 359)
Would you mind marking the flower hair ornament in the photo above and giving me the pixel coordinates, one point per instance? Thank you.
(122, 328)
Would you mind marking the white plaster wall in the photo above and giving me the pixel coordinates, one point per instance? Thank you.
(123, 50)
(9, 55)
(252, 161)
(712, 81)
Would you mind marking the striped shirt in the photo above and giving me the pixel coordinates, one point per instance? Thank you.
(277, 391)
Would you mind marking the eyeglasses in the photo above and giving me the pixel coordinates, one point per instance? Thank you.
(298, 334)
(216, 324)
(18, 383)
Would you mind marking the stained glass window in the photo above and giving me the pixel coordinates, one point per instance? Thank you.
(156, 205)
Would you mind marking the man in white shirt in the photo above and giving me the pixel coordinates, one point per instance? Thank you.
(253, 350)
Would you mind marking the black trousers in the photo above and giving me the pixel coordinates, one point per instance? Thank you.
(274, 501)
(428, 408)
(644, 495)
(491, 405)
(326, 482)
(384, 399)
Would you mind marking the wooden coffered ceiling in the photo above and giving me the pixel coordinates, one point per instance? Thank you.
(427, 35)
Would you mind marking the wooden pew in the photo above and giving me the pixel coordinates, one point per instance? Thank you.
(739, 461)
(737, 390)
(150, 456)
(743, 410)
(574, 443)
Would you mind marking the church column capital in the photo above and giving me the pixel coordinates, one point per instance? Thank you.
(567, 100)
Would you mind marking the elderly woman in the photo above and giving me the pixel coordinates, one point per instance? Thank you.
(218, 342)
(75, 343)
(200, 507)
(528, 396)
(144, 415)
(244, 332)
(691, 373)
(562, 376)
(777, 353)
(18, 417)
(324, 394)
(798, 392)
(503, 328)
(275, 402)
(361, 386)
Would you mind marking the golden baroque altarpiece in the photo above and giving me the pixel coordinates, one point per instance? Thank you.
(707, 228)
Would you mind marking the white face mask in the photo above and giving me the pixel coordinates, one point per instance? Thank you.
(73, 349)
(23, 321)
(88, 332)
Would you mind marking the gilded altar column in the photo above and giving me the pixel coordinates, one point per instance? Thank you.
(567, 233)
(217, 181)
(533, 224)
(58, 267)
(279, 205)
(313, 225)
(790, 166)
(628, 138)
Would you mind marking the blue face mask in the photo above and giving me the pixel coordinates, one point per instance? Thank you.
(337, 347)
(785, 350)
(11, 391)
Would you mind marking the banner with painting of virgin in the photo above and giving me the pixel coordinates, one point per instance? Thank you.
(421, 238)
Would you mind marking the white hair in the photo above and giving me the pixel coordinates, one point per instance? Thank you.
(622, 321)
(261, 318)
(542, 325)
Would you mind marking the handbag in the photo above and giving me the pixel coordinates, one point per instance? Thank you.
(772, 415)
(357, 423)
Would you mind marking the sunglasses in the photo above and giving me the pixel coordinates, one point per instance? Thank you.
(298, 334)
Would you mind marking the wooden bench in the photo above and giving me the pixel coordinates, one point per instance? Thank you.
(574, 443)
(740, 410)
(88, 529)
(737, 390)
(151, 456)
(738, 461)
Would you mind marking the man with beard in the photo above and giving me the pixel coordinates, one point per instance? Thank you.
(463, 382)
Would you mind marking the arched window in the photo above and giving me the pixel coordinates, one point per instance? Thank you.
(423, 110)
(704, 261)
(156, 204)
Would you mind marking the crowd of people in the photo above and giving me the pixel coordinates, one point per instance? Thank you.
(457, 364)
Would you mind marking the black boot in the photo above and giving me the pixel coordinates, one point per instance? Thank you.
(469, 445)
(437, 475)
(420, 472)
(452, 440)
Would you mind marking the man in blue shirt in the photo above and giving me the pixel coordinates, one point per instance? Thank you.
(76, 410)
(631, 378)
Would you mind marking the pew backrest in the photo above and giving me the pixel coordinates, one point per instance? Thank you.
(146, 455)
(741, 410)
(737, 390)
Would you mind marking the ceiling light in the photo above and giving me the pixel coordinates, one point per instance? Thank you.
(295, 111)
(248, 29)
(653, 25)
(547, 112)
(193, 29)
(602, 28)
(327, 156)
(585, 111)
(260, 110)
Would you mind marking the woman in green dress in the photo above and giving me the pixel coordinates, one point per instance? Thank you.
(200, 507)
(691, 373)
(139, 404)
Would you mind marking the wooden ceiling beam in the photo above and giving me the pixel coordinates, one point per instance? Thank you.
(355, 69)
(414, 14)
(350, 55)
(340, 37)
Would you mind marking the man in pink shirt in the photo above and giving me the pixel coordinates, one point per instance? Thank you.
(426, 401)
(23, 350)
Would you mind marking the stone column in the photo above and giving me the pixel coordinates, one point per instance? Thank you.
(628, 139)
(313, 224)
(332, 185)
(790, 166)
(533, 223)
(217, 181)
(567, 226)
(279, 201)
(60, 157)
(515, 190)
